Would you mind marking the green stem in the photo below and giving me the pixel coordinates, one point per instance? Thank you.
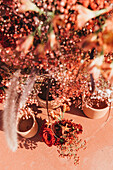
(100, 12)
(38, 29)
(39, 11)
(49, 14)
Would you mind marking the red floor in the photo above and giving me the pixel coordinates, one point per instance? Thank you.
(33, 154)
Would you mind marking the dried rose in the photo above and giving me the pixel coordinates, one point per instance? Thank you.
(48, 136)
(25, 43)
(95, 67)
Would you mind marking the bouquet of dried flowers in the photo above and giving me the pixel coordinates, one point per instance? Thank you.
(46, 36)
(64, 134)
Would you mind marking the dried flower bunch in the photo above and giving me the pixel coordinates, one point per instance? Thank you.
(67, 41)
(64, 134)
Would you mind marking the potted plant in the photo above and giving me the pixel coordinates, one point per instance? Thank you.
(48, 92)
(96, 103)
(95, 107)
(27, 125)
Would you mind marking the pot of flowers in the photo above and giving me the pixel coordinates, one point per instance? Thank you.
(52, 104)
(64, 134)
(96, 109)
(27, 125)
(96, 98)
(48, 90)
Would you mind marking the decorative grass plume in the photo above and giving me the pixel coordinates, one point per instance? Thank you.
(13, 104)
(10, 111)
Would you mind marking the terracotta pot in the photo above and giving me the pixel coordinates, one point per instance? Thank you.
(51, 104)
(41, 97)
(95, 113)
(27, 127)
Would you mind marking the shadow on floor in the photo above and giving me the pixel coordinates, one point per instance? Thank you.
(1, 120)
(36, 109)
(76, 111)
(31, 143)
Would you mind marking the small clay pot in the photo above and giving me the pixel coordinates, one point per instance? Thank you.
(51, 104)
(41, 97)
(95, 113)
(27, 126)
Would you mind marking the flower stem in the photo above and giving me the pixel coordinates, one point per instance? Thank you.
(102, 11)
(47, 97)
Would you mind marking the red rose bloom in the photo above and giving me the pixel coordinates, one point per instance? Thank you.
(48, 136)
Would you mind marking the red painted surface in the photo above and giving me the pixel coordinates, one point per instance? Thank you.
(33, 154)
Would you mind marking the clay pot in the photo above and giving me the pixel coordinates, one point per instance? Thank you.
(51, 104)
(41, 97)
(95, 113)
(27, 125)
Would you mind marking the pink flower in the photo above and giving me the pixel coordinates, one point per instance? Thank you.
(95, 67)
(28, 5)
(89, 42)
(53, 41)
(107, 72)
(25, 43)
(110, 77)
(86, 14)
(58, 20)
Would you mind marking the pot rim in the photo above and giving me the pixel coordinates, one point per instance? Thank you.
(34, 122)
(49, 101)
(51, 104)
(87, 106)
